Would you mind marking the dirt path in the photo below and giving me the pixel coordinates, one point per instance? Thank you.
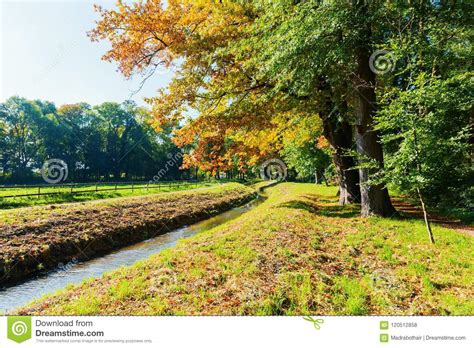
(416, 212)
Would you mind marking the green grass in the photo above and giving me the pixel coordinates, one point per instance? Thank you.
(65, 195)
(298, 253)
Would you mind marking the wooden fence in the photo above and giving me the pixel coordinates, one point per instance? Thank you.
(75, 188)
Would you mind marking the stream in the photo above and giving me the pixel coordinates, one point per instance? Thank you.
(74, 273)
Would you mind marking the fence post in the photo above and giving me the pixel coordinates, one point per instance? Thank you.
(116, 186)
(39, 191)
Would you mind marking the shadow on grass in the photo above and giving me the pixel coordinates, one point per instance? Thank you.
(347, 211)
(328, 206)
(323, 206)
(302, 205)
(461, 219)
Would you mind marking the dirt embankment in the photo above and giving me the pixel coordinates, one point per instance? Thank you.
(82, 231)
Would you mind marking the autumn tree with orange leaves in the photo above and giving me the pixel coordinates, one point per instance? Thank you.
(251, 69)
(241, 119)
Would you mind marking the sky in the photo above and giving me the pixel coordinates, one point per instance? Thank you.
(45, 54)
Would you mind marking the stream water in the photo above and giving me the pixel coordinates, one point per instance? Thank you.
(74, 273)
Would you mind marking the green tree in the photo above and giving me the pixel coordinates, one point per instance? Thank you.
(112, 139)
(22, 143)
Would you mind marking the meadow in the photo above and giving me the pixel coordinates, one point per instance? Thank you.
(24, 196)
(298, 253)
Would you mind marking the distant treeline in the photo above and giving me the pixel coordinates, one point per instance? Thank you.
(110, 141)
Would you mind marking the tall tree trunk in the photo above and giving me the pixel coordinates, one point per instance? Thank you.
(375, 199)
(339, 136)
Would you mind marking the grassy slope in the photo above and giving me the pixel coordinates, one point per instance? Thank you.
(67, 197)
(297, 253)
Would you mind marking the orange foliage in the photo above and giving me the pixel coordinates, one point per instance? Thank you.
(237, 122)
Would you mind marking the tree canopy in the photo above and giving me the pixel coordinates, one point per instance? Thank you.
(384, 88)
(373, 72)
(108, 141)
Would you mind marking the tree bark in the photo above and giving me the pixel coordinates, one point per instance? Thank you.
(375, 199)
(425, 216)
(339, 136)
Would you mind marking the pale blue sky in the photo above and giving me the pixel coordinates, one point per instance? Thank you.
(46, 54)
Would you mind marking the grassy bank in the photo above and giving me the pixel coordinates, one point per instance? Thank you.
(62, 194)
(297, 253)
(38, 238)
